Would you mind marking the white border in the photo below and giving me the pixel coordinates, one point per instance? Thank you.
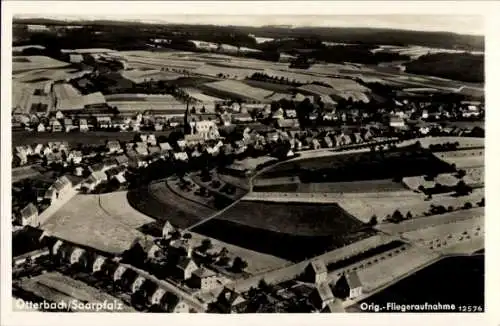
(490, 10)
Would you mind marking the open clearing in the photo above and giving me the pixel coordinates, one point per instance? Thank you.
(56, 287)
(84, 221)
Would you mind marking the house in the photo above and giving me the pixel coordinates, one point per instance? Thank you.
(165, 147)
(181, 143)
(396, 122)
(316, 144)
(68, 125)
(38, 149)
(230, 301)
(241, 117)
(316, 272)
(79, 171)
(328, 142)
(114, 146)
(95, 179)
(287, 124)
(96, 167)
(151, 140)
(121, 160)
(321, 296)
(181, 156)
(154, 150)
(204, 279)
(186, 267)
(120, 178)
(158, 126)
(116, 170)
(40, 127)
(56, 126)
(59, 190)
(59, 115)
(29, 215)
(104, 122)
(174, 305)
(137, 284)
(75, 157)
(355, 285)
(167, 230)
(21, 158)
(141, 148)
(83, 125)
(290, 114)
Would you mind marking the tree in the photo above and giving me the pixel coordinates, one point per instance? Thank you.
(462, 189)
(409, 215)
(239, 264)
(467, 205)
(205, 244)
(373, 220)
(397, 216)
(481, 202)
(187, 236)
(461, 173)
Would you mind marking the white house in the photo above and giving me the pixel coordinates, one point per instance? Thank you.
(29, 215)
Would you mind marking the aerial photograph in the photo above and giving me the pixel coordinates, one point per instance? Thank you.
(203, 164)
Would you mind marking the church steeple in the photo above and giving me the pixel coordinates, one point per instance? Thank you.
(187, 125)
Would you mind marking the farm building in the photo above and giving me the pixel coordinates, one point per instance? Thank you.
(316, 271)
(186, 267)
(59, 190)
(204, 279)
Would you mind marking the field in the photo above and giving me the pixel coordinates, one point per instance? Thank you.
(227, 88)
(140, 76)
(270, 86)
(464, 158)
(73, 138)
(334, 187)
(390, 269)
(160, 203)
(56, 287)
(85, 220)
(431, 221)
(290, 231)
(364, 205)
(360, 166)
(24, 63)
(65, 92)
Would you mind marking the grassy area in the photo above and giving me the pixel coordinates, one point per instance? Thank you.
(287, 230)
(84, 221)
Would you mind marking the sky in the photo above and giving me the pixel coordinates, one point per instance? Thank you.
(444, 23)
